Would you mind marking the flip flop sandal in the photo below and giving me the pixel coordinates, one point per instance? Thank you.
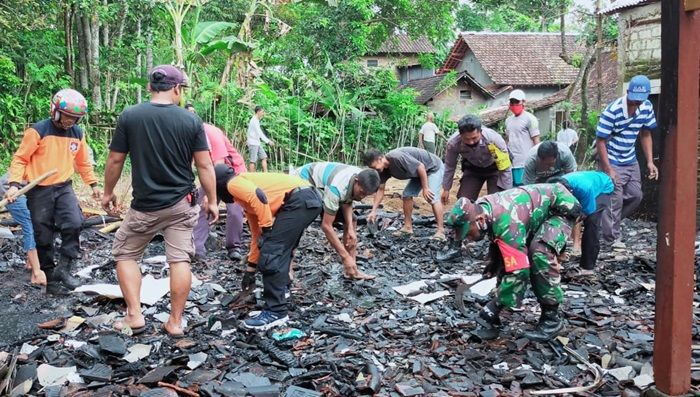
(402, 233)
(438, 237)
(134, 331)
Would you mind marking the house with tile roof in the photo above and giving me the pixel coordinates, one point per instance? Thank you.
(526, 61)
(553, 103)
(455, 93)
(401, 53)
(492, 64)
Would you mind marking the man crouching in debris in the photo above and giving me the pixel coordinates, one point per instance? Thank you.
(424, 171)
(341, 184)
(593, 189)
(530, 225)
(294, 204)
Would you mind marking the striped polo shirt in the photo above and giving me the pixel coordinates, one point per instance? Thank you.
(334, 179)
(620, 130)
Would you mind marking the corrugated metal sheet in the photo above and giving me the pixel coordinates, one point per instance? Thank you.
(620, 5)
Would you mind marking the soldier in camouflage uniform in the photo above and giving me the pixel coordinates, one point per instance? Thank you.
(530, 224)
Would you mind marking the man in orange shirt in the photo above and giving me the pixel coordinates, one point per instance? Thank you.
(57, 143)
(294, 204)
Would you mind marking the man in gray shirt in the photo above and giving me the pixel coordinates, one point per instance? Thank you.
(523, 133)
(424, 171)
(547, 160)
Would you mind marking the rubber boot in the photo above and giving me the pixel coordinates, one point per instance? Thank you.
(62, 272)
(489, 325)
(550, 325)
(54, 285)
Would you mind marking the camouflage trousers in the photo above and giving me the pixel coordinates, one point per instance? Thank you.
(548, 242)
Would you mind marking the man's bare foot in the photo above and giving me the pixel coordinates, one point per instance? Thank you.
(135, 322)
(38, 278)
(358, 275)
(173, 330)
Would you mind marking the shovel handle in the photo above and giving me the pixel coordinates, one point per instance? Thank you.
(29, 186)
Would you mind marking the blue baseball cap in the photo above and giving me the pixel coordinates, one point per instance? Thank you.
(639, 88)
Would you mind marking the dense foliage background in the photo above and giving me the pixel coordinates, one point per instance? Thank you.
(297, 58)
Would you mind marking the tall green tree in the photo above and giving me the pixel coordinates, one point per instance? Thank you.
(511, 16)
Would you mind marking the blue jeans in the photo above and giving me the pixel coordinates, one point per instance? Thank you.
(20, 213)
(518, 176)
(413, 187)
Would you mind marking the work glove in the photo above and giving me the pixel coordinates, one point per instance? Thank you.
(248, 281)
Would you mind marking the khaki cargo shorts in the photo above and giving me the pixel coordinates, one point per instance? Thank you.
(139, 228)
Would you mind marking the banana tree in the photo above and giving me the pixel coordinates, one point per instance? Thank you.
(178, 10)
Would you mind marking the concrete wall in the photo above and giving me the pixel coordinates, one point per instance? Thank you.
(392, 62)
(385, 61)
(449, 101)
(640, 43)
(474, 68)
(546, 118)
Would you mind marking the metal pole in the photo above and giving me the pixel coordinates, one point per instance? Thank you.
(675, 246)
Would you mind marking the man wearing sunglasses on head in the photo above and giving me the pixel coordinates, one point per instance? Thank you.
(57, 142)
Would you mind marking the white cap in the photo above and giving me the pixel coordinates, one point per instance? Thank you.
(517, 95)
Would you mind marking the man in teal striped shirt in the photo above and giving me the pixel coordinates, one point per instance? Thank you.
(341, 184)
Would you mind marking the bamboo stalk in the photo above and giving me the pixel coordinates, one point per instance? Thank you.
(29, 186)
(111, 227)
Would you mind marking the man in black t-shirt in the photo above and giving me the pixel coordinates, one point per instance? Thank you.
(161, 140)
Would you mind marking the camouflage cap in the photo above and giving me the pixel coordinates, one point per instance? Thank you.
(460, 217)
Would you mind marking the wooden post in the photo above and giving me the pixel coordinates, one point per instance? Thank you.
(676, 232)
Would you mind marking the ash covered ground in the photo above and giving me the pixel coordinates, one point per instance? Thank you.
(362, 338)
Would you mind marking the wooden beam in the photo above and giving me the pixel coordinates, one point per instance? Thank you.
(692, 5)
(678, 116)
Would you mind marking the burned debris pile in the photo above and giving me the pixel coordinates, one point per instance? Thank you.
(398, 335)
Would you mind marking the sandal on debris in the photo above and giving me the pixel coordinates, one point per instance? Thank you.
(439, 237)
(402, 233)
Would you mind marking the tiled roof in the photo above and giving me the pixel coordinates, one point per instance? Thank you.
(609, 84)
(403, 44)
(425, 87)
(620, 5)
(518, 59)
(428, 87)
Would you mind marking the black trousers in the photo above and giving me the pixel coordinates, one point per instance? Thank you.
(590, 241)
(300, 208)
(52, 208)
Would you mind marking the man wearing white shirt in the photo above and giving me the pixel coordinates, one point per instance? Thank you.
(568, 136)
(426, 135)
(255, 136)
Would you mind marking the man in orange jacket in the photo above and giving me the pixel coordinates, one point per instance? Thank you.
(294, 204)
(57, 142)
